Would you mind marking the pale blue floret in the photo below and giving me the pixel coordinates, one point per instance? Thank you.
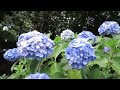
(106, 49)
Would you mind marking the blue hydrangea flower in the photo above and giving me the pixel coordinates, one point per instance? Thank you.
(87, 35)
(67, 34)
(106, 49)
(38, 76)
(79, 53)
(12, 54)
(35, 45)
(109, 27)
(27, 36)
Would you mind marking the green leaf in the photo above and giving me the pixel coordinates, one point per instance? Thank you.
(97, 73)
(105, 74)
(93, 72)
(18, 63)
(34, 65)
(67, 67)
(110, 42)
(118, 43)
(63, 62)
(116, 65)
(55, 67)
(14, 66)
(57, 75)
(101, 54)
(12, 76)
(117, 54)
(84, 72)
(59, 48)
(46, 68)
(98, 39)
(50, 62)
(75, 35)
(57, 39)
(101, 62)
(116, 36)
(4, 76)
(74, 74)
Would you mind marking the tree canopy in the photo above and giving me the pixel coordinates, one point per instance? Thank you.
(53, 22)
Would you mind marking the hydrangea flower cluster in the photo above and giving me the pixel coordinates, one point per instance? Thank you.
(67, 34)
(109, 27)
(79, 53)
(12, 54)
(106, 49)
(38, 76)
(27, 36)
(35, 45)
(87, 35)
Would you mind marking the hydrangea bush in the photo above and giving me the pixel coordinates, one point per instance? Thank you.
(68, 56)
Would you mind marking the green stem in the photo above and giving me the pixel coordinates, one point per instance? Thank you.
(55, 59)
(109, 60)
(83, 70)
(29, 64)
(12, 68)
(80, 70)
(38, 67)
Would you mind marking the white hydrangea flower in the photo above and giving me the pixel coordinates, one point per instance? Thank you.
(67, 34)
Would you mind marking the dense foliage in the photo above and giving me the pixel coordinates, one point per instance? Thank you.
(86, 55)
(79, 59)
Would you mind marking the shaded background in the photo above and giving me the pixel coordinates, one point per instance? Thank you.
(13, 23)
